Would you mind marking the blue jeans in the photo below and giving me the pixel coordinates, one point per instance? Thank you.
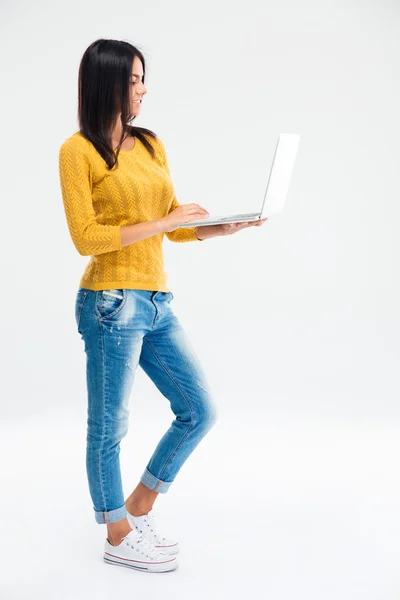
(122, 328)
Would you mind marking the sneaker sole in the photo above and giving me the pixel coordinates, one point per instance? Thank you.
(149, 567)
(169, 550)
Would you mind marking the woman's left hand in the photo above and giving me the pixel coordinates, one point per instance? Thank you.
(229, 228)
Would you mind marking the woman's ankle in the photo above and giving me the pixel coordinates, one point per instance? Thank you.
(116, 531)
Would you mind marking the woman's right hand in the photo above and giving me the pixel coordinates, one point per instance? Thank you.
(183, 214)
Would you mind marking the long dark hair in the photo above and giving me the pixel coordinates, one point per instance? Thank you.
(103, 93)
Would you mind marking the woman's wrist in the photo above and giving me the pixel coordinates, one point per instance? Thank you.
(207, 231)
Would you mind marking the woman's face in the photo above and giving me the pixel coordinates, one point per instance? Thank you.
(137, 89)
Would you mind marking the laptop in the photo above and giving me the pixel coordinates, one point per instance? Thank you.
(277, 186)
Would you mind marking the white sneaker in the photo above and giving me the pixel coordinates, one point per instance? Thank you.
(137, 553)
(145, 525)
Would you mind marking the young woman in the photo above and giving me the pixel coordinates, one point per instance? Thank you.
(119, 203)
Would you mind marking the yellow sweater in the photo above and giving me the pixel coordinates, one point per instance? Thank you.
(98, 202)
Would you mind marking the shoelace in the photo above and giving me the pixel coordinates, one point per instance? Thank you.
(149, 520)
(150, 551)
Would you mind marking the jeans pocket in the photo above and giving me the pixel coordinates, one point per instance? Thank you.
(79, 302)
(110, 302)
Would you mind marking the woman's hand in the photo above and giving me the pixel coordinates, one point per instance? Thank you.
(183, 214)
(229, 228)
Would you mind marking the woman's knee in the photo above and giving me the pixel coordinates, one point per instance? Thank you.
(208, 417)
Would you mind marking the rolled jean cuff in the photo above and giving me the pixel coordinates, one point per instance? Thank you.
(112, 515)
(153, 483)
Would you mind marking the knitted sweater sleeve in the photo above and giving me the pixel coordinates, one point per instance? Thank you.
(181, 234)
(89, 236)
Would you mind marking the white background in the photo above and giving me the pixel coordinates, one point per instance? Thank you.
(295, 491)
